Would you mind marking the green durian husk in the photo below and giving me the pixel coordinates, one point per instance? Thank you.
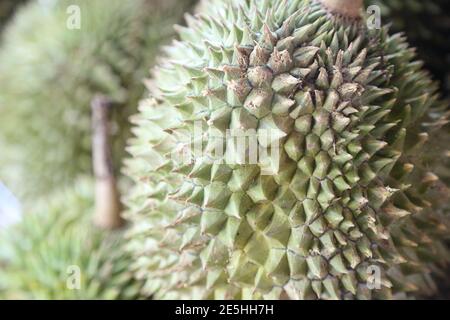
(50, 73)
(348, 192)
(427, 26)
(55, 242)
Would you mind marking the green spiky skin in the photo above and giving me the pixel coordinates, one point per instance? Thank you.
(38, 252)
(50, 74)
(348, 106)
(427, 25)
(7, 8)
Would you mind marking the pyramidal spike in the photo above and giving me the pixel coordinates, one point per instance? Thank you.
(269, 38)
(215, 73)
(395, 213)
(428, 180)
(240, 57)
(259, 56)
(248, 37)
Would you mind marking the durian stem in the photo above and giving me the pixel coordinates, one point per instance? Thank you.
(107, 197)
(347, 8)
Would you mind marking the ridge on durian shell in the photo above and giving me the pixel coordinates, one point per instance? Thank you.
(50, 73)
(427, 26)
(348, 106)
(41, 255)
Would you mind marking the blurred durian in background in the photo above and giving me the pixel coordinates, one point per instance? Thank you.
(50, 71)
(56, 252)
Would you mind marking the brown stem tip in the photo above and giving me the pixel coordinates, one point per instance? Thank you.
(107, 197)
(346, 8)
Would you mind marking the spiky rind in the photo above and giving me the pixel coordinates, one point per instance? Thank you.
(427, 25)
(346, 105)
(50, 72)
(56, 253)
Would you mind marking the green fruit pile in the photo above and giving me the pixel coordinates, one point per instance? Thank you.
(50, 71)
(43, 255)
(348, 111)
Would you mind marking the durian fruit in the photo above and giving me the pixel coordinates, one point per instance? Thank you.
(50, 71)
(427, 25)
(333, 207)
(42, 256)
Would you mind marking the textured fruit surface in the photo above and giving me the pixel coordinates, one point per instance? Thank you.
(50, 71)
(427, 26)
(347, 194)
(42, 256)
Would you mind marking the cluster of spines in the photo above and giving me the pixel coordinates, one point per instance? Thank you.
(425, 23)
(337, 203)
